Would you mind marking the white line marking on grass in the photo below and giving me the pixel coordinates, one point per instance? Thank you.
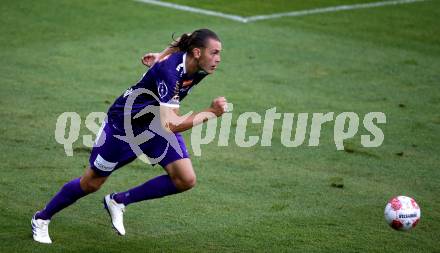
(330, 9)
(195, 10)
(279, 15)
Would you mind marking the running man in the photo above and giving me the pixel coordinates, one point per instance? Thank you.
(173, 73)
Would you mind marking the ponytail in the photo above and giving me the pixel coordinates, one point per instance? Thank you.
(197, 39)
(183, 42)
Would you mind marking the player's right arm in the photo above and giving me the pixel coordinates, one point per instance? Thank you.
(173, 122)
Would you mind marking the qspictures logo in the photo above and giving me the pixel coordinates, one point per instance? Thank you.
(295, 127)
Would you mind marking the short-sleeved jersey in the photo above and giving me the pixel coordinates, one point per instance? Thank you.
(167, 80)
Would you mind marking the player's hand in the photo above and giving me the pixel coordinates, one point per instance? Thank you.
(149, 59)
(219, 106)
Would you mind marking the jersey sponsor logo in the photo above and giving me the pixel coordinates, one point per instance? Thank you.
(176, 88)
(104, 165)
(176, 98)
(162, 89)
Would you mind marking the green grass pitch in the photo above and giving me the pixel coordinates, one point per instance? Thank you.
(58, 56)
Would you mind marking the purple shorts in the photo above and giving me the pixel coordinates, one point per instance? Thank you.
(110, 152)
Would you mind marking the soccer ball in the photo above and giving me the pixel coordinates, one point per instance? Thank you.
(402, 213)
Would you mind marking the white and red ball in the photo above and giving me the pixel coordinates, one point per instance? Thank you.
(402, 213)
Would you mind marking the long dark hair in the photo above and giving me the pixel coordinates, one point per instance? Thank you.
(196, 39)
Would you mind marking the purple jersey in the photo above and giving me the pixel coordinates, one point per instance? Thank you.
(167, 80)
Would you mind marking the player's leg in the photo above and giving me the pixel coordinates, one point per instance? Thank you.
(180, 177)
(104, 159)
(180, 173)
(71, 192)
(92, 181)
(68, 194)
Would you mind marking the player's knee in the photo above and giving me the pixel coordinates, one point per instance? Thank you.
(90, 186)
(186, 182)
(182, 174)
(91, 181)
(190, 182)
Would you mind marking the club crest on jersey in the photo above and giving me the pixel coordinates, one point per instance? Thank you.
(162, 89)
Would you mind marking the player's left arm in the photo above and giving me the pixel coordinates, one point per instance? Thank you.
(173, 122)
(150, 58)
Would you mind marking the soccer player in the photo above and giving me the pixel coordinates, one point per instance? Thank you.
(173, 73)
